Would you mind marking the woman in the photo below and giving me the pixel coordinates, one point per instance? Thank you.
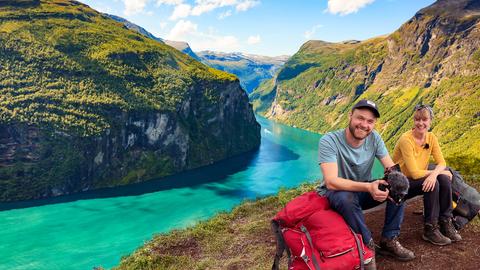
(412, 153)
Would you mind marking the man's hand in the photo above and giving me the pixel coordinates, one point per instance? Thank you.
(447, 173)
(429, 182)
(376, 193)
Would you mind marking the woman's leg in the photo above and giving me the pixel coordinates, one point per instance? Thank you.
(430, 199)
(431, 206)
(445, 196)
(446, 208)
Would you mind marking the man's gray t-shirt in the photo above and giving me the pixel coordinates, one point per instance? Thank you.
(353, 163)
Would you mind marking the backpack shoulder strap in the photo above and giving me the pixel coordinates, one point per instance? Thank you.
(359, 248)
(280, 245)
(309, 238)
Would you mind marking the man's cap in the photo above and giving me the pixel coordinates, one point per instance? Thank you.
(365, 103)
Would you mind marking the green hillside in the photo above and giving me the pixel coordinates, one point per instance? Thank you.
(87, 103)
(433, 58)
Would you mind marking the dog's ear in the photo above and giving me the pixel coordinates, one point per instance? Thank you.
(394, 168)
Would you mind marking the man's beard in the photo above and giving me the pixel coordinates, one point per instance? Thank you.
(352, 131)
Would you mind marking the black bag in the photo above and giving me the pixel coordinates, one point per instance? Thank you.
(467, 199)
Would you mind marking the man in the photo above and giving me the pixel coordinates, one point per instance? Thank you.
(346, 159)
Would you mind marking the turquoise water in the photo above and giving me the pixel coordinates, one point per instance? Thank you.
(97, 228)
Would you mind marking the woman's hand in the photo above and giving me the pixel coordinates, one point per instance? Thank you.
(447, 173)
(429, 183)
(376, 193)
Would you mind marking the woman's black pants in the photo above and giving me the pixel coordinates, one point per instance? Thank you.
(436, 203)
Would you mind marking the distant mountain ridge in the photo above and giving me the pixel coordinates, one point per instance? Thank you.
(433, 58)
(251, 69)
(183, 47)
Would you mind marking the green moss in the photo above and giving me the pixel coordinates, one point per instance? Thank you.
(476, 57)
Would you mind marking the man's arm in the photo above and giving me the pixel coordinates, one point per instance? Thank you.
(387, 161)
(333, 182)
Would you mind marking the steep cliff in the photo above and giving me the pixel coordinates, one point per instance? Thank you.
(433, 58)
(87, 103)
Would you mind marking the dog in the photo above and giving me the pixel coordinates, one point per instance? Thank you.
(398, 184)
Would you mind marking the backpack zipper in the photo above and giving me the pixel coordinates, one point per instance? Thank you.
(337, 254)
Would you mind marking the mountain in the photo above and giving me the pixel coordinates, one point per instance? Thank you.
(251, 69)
(183, 47)
(433, 58)
(128, 24)
(87, 103)
(179, 45)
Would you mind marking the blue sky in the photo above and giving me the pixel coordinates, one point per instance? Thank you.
(265, 27)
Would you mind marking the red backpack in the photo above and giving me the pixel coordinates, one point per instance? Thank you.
(316, 237)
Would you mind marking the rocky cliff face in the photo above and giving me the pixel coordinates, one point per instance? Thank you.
(433, 58)
(81, 109)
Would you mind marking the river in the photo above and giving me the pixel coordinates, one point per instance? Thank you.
(96, 228)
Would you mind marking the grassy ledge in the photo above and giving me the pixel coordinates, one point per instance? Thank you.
(240, 239)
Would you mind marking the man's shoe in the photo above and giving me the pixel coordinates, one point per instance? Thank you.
(447, 229)
(434, 236)
(393, 248)
(370, 264)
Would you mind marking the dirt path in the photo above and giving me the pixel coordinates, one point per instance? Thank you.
(462, 255)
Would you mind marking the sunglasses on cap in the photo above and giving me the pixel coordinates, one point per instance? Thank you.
(419, 107)
(422, 106)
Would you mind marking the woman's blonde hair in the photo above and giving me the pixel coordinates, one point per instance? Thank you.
(423, 111)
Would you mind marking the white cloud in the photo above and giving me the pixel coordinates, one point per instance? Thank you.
(187, 31)
(225, 14)
(163, 25)
(182, 30)
(134, 6)
(180, 11)
(183, 10)
(253, 40)
(344, 7)
(246, 5)
(310, 33)
(203, 6)
(169, 2)
(221, 43)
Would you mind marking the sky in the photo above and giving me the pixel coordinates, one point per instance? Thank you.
(263, 27)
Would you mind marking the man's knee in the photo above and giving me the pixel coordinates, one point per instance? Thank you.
(342, 199)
